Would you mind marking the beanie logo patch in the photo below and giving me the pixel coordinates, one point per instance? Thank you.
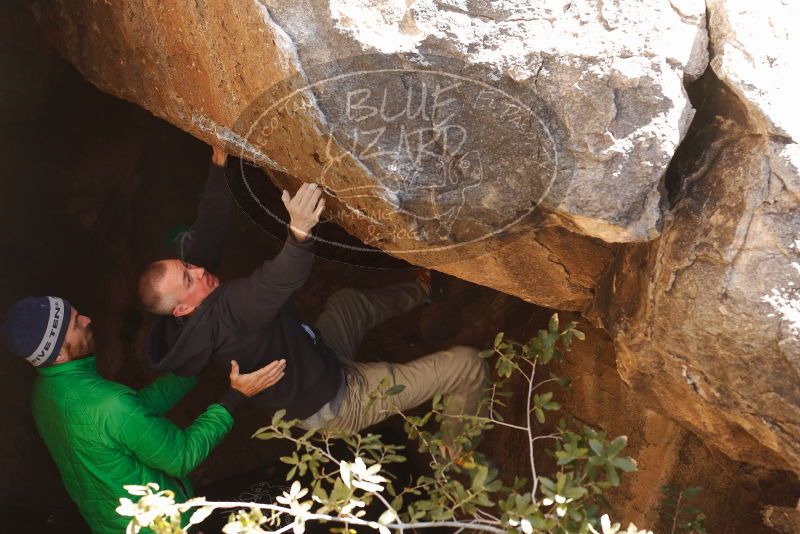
(54, 325)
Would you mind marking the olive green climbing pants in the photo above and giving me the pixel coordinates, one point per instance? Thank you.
(459, 374)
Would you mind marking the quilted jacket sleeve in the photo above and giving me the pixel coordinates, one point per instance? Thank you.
(165, 392)
(157, 442)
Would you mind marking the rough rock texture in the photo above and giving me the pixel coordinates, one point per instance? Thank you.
(752, 48)
(547, 129)
(568, 111)
(707, 318)
(102, 182)
(608, 76)
(666, 453)
(782, 519)
(565, 267)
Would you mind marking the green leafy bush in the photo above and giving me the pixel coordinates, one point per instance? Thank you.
(463, 489)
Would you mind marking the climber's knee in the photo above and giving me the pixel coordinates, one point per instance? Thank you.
(474, 368)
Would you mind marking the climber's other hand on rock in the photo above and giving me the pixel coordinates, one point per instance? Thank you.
(219, 156)
(305, 209)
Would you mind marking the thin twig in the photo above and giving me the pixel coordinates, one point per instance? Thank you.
(306, 444)
(487, 515)
(677, 511)
(534, 476)
(554, 436)
(544, 382)
(355, 520)
(489, 419)
(284, 528)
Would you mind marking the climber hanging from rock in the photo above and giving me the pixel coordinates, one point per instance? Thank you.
(202, 321)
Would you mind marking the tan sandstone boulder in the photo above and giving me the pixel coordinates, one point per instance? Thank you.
(539, 154)
(535, 117)
(707, 318)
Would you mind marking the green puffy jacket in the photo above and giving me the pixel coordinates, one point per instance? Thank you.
(103, 435)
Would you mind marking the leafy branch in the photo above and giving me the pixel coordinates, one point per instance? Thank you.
(463, 490)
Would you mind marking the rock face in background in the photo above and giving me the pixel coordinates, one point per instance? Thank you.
(104, 182)
(607, 78)
(783, 520)
(707, 318)
(543, 159)
(569, 112)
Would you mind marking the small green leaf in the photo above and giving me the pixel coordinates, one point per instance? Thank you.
(561, 480)
(575, 492)
(320, 493)
(397, 502)
(495, 485)
(539, 415)
(547, 354)
(560, 380)
(547, 484)
(553, 324)
(278, 417)
(564, 457)
(624, 463)
(613, 477)
(498, 339)
(265, 435)
(395, 390)
(617, 445)
(539, 523)
(519, 483)
(480, 477)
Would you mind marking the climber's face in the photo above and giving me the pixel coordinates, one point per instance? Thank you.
(186, 285)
